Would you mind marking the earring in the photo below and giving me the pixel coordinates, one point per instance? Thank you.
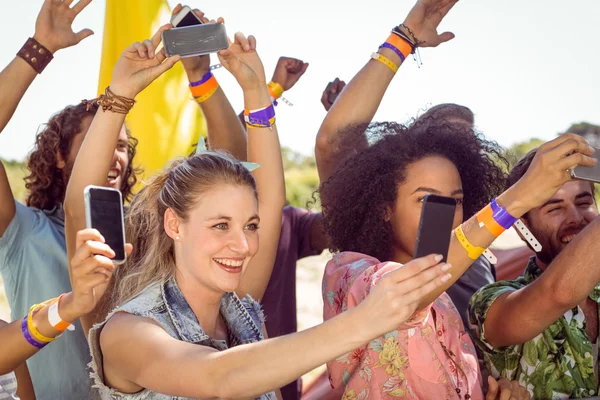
(177, 238)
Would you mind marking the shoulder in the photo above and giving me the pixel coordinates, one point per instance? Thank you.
(484, 297)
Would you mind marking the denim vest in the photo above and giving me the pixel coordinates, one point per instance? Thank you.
(165, 304)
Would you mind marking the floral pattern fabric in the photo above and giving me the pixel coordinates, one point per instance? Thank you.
(556, 364)
(409, 362)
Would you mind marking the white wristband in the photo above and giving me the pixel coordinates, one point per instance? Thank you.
(55, 320)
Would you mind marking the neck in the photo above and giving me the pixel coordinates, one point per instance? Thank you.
(542, 265)
(399, 256)
(205, 303)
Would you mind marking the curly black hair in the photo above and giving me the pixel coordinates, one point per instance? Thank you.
(364, 185)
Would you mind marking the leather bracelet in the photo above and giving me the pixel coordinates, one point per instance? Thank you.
(35, 54)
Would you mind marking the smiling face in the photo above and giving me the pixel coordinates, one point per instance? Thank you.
(120, 157)
(430, 175)
(556, 223)
(218, 240)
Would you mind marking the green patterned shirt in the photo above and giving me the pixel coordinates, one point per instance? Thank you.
(556, 364)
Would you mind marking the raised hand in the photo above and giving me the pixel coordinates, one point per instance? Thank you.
(506, 390)
(331, 93)
(424, 19)
(396, 296)
(242, 60)
(140, 64)
(549, 169)
(196, 67)
(288, 71)
(91, 270)
(53, 25)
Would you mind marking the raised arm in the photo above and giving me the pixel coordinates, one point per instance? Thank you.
(547, 173)
(137, 67)
(137, 353)
(225, 132)
(360, 99)
(53, 31)
(91, 272)
(243, 62)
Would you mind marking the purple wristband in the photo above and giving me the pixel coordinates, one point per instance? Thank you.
(264, 117)
(501, 216)
(205, 78)
(394, 48)
(28, 337)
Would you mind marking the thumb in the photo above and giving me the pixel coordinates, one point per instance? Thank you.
(445, 37)
(84, 33)
(492, 389)
(160, 69)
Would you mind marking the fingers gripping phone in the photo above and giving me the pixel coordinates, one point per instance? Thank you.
(435, 227)
(195, 40)
(185, 17)
(104, 212)
(591, 174)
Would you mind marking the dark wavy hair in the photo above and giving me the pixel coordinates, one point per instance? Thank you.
(46, 182)
(356, 197)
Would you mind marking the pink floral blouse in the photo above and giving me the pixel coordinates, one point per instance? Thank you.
(431, 356)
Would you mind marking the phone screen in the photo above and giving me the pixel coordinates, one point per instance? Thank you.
(188, 20)
(106, 215)
(435, 228)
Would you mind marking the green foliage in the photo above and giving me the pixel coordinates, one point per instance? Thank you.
(519, 150)
(301, 177)
(16, 173)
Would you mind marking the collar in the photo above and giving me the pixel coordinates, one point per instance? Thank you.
(56, 215)
(533, 271)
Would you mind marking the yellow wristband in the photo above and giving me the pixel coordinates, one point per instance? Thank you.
(385, 61)
(206, 96)
(32, 329)
(275, 90)
(472, 251)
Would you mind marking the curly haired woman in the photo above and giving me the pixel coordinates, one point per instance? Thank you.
(372, 204)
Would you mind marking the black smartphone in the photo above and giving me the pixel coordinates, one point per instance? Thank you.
(591, 174)
(185, 17)
(104, 212)
(435, 227)
(195, 40)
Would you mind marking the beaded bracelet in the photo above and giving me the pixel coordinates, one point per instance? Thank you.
(262, 118)
(203, 89)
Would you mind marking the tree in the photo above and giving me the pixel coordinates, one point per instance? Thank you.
(589, 131)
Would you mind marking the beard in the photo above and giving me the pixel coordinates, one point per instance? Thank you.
(550, 241)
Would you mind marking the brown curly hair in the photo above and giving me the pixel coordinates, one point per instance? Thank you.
(356, 197)
(46, 182)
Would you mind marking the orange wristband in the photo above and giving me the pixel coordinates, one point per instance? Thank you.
(399, 43)
(485, 217)
(210, 86)
(275, 90)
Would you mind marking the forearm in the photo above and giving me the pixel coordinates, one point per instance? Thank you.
(264, 149)
(357, 104)
(14, 81)
(285, 358)
(225, 132)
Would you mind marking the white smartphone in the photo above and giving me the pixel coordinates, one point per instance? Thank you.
(195, 40)
(104, 212)
(185, 17)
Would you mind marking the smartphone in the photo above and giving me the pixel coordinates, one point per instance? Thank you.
(435, 227)
(185, 17)
(195, 40)
(591, 174)
(104, 212)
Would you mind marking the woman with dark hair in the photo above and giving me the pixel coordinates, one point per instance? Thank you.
(372, 202)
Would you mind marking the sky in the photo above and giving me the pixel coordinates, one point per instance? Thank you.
(526, 68)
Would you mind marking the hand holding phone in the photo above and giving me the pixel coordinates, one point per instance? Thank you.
(591, 174)
(185, 16)
(435, 227)
(104, 212)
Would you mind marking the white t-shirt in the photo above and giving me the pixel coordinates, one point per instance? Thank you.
(8, 387)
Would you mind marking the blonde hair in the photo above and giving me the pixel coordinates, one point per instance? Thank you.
(177, 188)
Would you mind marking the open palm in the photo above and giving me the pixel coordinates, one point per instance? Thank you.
(53, 27)
(424, 19)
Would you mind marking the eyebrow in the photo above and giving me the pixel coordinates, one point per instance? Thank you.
(558, 201)
(255, 216)
(434, 191)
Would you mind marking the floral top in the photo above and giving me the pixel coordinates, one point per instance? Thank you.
(557, 364)
(429, 357)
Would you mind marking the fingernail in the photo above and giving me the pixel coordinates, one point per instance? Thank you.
(591, 149)
(438, 258)
(446, 278)
(446, 267)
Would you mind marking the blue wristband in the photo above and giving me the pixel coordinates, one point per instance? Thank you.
(501, 216)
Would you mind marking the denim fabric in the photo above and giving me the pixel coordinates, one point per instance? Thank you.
(165, 304)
